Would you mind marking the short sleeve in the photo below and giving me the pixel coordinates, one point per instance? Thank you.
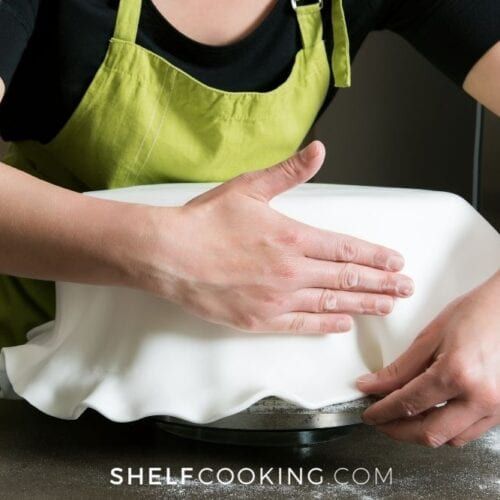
(17, 20)
(451, 34)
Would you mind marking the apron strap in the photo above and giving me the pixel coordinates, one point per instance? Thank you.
(127, 20)
(341, 60)
(310, 23)
(311, 28)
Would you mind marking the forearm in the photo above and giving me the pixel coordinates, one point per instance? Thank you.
(52, 233)
(483, 81)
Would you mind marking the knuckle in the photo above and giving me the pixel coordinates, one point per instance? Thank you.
(248, 178)
(392, 370)
(432, 439)
(488, 397)
(269, 299)
(289, 237)
(327, 301)
(284, 269)
(347, 251)
(380, 256)
(248, 322)
(387, 283)
(387, 307)
(367, 304)
(289, 168)
(277, 302)
(348, 277)
(325, 327)
(465, 379)
(459, 374)
(297, 323)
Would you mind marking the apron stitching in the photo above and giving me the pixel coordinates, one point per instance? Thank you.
(142, 81)
(272, 94)
(153, 116)
(281, 89)
(159, 129)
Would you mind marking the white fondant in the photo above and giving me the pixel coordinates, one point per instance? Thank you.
(129, 355)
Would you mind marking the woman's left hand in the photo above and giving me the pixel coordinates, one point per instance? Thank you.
(456, 359)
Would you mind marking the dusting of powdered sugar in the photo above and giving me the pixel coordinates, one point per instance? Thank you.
(491, 442)
(417, 472)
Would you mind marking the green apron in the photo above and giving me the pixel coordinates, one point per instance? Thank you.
(144, 121)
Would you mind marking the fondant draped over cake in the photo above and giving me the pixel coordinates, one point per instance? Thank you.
(129, 354)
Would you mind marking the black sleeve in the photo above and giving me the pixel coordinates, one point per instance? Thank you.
(17, 20)
(451, 34)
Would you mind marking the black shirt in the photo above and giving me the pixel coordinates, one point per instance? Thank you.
(51, 49)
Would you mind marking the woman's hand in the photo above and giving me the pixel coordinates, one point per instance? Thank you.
(229, 258)
(455, 359)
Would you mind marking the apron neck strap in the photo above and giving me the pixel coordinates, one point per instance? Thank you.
(341, 60)
(311, 28)
(310, 23)
(129, 13)
(127, 20)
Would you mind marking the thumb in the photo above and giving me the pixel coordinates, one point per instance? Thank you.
(267, 183)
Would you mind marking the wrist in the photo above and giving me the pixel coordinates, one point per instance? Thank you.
(496, 278)
(489, 292)
(494, 282)
(144, 249)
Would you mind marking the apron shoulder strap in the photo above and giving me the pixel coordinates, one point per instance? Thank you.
(311, 29)
(341, 59)
(310, 22)
(127, 20)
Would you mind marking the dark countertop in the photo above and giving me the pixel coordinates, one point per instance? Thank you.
(43, 457)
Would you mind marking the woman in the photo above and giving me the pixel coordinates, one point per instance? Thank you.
(234, 87)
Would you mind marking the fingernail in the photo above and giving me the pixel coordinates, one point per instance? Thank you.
(366, 379)
(405, 288)
(344, 325)
(383, 306)
(395, 263)
(309, 152)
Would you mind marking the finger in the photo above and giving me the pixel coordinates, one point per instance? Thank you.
(320, 300)
(475, 431)
(310, 323)
(420, 394)
(353, 277)
(406, 367)
(267, 183)
(326, 245)
(437, 427)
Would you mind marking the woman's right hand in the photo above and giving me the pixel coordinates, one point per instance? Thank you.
(229, 258)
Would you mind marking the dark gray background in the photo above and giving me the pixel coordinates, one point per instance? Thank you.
(405, 124)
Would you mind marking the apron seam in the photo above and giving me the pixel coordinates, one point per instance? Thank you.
(160, 126)
(128, 174)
